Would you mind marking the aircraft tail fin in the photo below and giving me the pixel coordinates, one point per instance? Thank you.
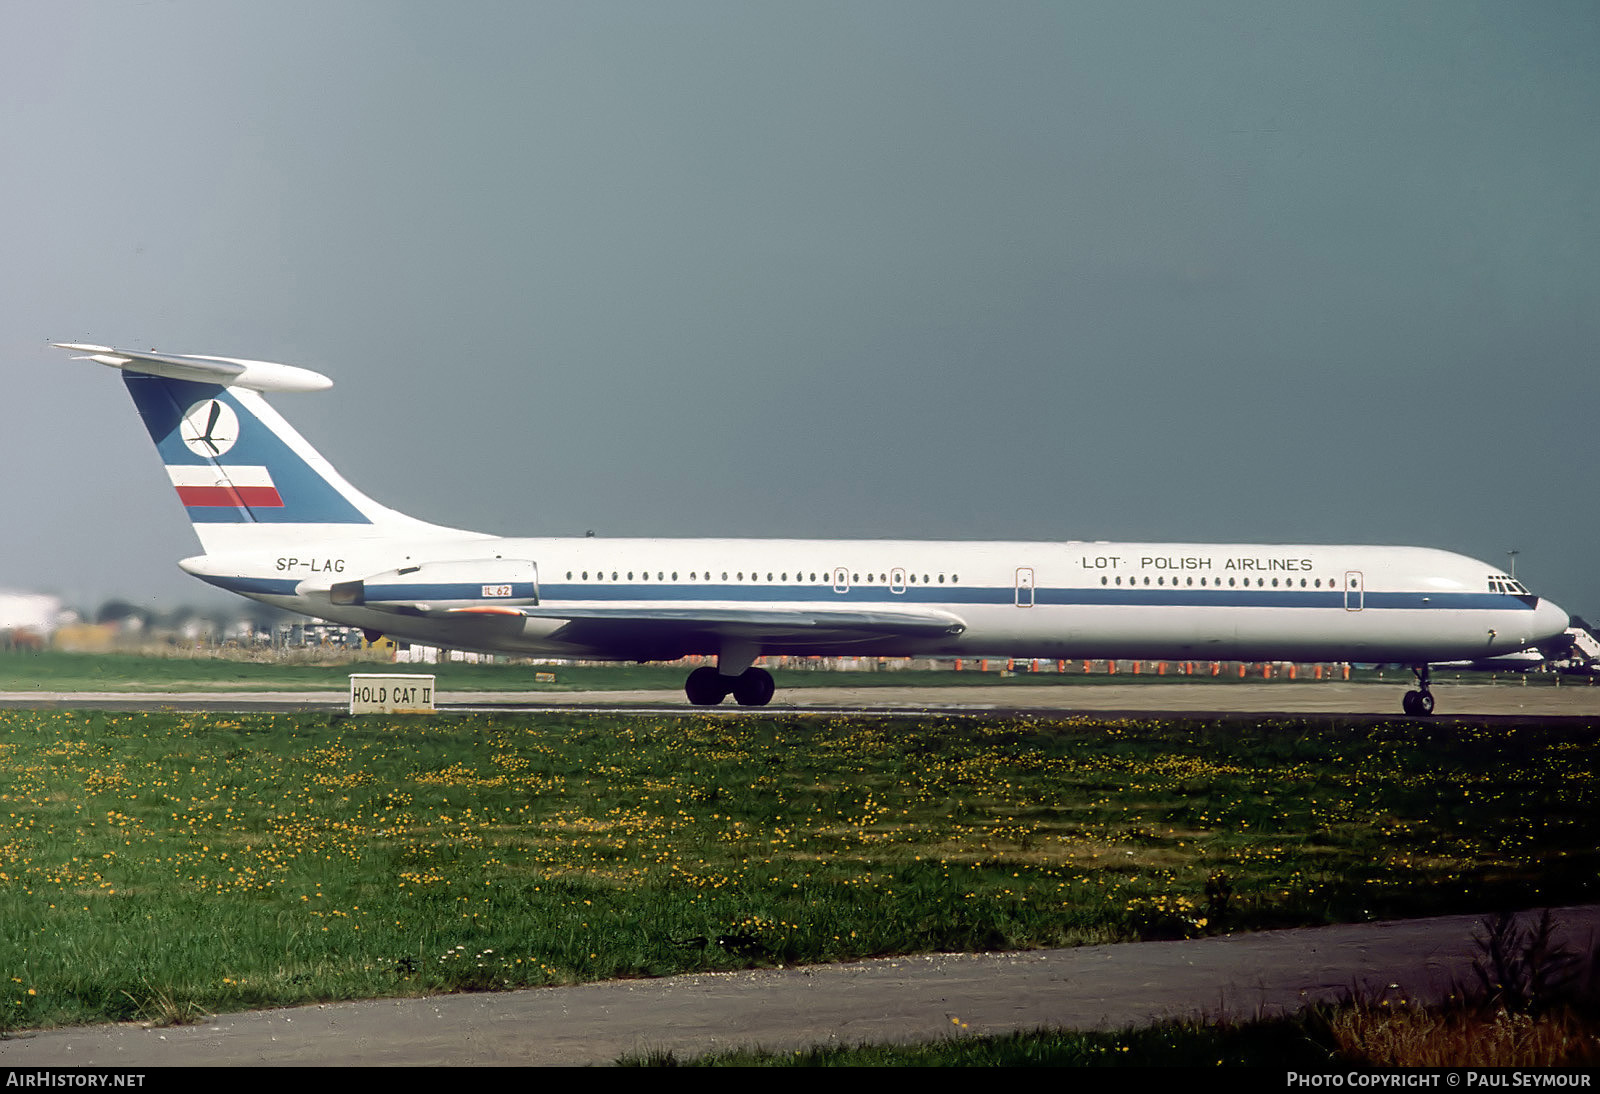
(244, 474)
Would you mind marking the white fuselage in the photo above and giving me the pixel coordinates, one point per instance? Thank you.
(1048, 600)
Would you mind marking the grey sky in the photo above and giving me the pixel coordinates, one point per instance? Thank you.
(1238, 271)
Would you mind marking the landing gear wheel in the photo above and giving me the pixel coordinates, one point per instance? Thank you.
(1419, 703)
(705, 687)
(753, 688)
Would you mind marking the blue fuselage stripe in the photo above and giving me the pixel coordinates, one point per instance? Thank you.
(1002, 595)
(825, 596)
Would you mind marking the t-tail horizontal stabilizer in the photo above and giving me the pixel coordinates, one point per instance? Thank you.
(224, 371)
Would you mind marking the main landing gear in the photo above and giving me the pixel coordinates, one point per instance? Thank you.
(1420, 702)
(706, 687)
(734, 675)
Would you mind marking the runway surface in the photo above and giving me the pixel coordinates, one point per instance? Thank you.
(1454, 699)
(905, 999)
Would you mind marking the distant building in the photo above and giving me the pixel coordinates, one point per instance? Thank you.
(27, 620)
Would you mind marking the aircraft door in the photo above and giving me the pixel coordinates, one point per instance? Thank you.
(897, 580)
(1355, 590)
(841, 580)
(1024, 586)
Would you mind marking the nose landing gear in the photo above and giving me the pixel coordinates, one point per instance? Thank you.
(1419, 703)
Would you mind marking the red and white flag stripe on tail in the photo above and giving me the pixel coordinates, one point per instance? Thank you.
(202, 485)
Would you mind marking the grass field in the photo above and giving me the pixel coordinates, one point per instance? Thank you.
(165, 865)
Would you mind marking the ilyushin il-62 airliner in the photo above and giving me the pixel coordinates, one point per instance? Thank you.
(278, 524)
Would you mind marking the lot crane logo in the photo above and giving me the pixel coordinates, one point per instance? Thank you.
(209, 428)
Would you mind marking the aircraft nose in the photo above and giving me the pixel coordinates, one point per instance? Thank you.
(1549, 621)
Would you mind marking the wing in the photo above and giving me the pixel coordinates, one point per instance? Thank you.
(621, 628)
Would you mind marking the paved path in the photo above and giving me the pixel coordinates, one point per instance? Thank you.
(892, 1000)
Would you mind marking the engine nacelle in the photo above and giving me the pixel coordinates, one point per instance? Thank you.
(435, 585)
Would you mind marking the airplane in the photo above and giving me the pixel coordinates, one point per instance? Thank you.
(278, 524)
